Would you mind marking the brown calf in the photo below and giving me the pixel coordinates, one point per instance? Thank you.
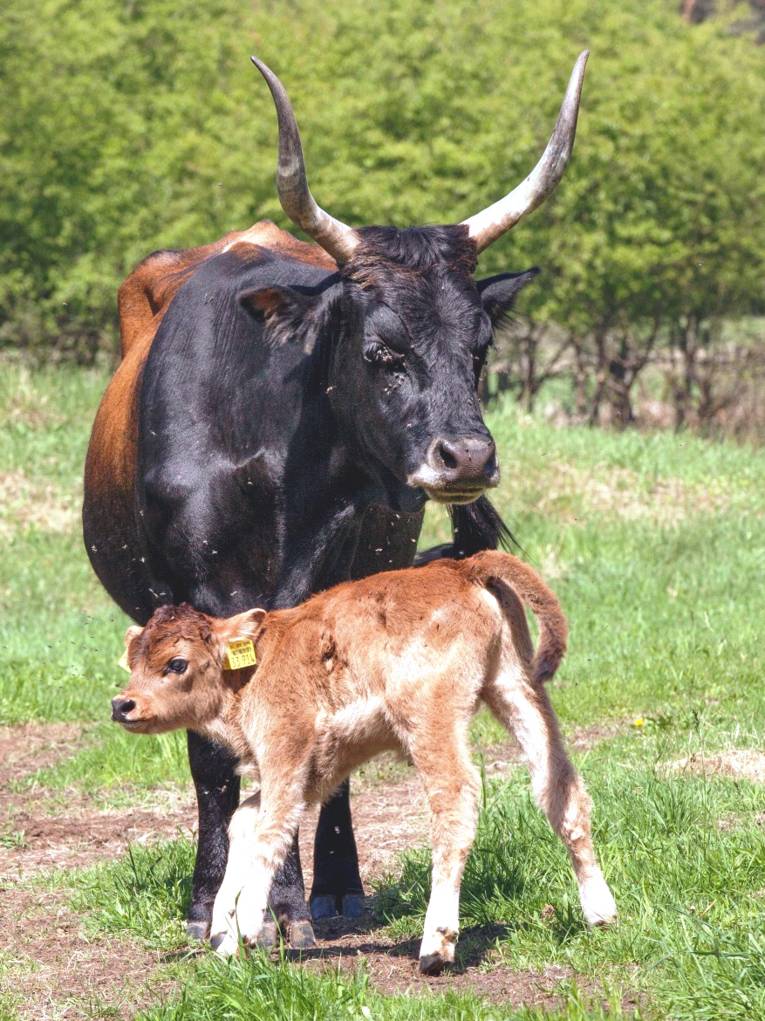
(399, 660)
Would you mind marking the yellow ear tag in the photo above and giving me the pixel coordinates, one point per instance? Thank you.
(239, 653)
(123, 662)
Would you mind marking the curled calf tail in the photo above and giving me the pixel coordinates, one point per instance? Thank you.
(492, 565)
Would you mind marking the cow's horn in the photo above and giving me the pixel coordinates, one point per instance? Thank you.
(298, 203)
(485, 227)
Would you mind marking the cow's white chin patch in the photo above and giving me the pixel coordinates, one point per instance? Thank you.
(432, 484)
(441, 496)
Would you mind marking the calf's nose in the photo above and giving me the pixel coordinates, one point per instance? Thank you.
(464, 458)
(121, 707)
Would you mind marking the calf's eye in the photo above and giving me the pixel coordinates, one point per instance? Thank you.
(177, 666)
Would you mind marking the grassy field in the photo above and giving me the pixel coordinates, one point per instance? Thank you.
(656, 546)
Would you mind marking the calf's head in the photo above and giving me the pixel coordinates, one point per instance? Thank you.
(177, 669)
(411, 326)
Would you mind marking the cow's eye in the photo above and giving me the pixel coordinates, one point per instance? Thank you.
(177, 666)
(380, 354)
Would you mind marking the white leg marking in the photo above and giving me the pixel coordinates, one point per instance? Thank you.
(598, 904)
(557, 787)
(257, 847)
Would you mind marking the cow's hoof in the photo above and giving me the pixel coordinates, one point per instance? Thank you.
(352, 905)
(323, 906)
(301, 935)
(197, 930)
(432, 964)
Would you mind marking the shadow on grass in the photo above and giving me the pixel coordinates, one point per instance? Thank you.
(343, 937)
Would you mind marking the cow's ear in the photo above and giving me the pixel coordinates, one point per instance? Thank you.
(498, 293)
(265, 302)
(292, 314)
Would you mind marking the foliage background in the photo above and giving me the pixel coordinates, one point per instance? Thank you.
(132, 125)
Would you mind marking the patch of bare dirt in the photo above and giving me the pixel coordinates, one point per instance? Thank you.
(71, 975)
(392, 966)
(35, 837)
(26, 501)
(32, 746)
(738, 764)
(60, 973)
(81, 835)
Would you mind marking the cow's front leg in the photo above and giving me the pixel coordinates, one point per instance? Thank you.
(336, 881)
(217, 787)
(287, 903)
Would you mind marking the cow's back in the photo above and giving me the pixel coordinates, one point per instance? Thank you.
(112, 524)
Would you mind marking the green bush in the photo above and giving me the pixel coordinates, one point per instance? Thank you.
(131, 126)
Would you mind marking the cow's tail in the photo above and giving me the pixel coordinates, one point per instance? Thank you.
(490, 567)
(475, 526)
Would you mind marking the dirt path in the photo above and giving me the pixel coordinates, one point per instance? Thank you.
(62, 975)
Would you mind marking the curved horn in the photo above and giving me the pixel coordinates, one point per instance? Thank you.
(485, 227)
(298, 203)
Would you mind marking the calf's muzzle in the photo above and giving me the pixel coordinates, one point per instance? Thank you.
(121, 707)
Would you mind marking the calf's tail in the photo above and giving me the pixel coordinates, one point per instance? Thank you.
(491, 566)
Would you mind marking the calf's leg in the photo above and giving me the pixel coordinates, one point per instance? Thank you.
(525, 709)
(442, 758)
(261, 833)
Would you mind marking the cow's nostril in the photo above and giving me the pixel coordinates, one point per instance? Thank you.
(446, 455)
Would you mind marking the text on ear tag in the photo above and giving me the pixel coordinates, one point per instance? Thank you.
(123, 661)
(239, 653)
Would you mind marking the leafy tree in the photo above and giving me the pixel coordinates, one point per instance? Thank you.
(131, 125)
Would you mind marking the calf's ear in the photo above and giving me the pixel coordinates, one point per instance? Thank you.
(132, 632)
(241, 625)
(498, 293)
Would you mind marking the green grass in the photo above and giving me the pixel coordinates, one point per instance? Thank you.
(656, 547)
(260, 990)
(116, 768)
(60, 637)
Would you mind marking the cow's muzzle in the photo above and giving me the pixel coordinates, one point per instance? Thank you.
(457, 469)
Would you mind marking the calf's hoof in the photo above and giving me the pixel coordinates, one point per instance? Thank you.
(301, 935)
(268, 937)
(197, 929)
(323, 906)
(433, 964)
(225, 944)
(598, 905)
(352, 905)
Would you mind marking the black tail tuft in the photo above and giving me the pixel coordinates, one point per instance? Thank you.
(476, 526)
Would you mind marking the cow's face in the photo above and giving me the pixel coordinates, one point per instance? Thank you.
(414, 333)
(415, 326)
(177, 680)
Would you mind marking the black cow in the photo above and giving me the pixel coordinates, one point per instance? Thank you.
(280, 416)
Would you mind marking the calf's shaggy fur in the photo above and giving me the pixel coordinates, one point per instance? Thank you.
(399, 660)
